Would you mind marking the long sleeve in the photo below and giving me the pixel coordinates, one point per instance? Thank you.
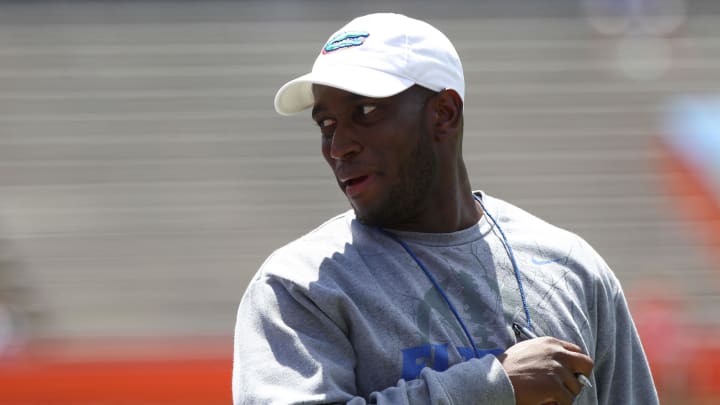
(621, 368)
(288, 350)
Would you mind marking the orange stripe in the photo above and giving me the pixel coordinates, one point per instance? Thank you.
(45, 378)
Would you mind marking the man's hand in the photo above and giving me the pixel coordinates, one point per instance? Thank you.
(542, 370)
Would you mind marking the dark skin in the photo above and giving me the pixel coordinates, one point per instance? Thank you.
(377, 142)
(399, 162)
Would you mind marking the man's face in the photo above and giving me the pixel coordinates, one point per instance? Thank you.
(380, 151)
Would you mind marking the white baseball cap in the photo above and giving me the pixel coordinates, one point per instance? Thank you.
(378, 55)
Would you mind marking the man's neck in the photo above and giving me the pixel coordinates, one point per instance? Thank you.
(456, 212)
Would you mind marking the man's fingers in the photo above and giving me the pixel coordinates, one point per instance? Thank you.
(570, 346)
(543, 370)
(574, 360)
(578, 363)
(570, 381)
(557, 393)
(564, 396)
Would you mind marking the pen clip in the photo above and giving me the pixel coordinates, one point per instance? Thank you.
(517, 330)
(521, 331)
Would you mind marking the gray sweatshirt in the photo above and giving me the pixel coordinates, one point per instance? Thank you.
(345, 315)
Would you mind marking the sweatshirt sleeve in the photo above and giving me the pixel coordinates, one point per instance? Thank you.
(621, 367)
(288, 351)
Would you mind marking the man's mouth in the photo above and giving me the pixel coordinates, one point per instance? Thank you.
(356, 185)
(355, 180)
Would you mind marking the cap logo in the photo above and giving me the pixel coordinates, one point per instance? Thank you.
(346, 39)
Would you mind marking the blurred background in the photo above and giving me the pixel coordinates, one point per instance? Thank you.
(144, 175)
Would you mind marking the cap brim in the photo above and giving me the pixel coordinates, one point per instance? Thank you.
(296, 95)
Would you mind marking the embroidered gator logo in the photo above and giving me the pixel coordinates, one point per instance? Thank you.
(345, 40)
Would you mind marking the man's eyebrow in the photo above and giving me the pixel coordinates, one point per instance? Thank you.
(318, 108)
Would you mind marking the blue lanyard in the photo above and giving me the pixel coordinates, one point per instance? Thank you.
(439, 289)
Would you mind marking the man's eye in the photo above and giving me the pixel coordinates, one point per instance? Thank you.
(368, 108)
(324, 123)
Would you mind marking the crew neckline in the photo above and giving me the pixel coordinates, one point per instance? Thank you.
(472, 233)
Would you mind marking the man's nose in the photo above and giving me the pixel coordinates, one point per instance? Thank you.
(344, 144)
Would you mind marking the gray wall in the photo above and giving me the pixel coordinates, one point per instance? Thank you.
(144, 175)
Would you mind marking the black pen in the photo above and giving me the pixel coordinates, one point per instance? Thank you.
(528, 334)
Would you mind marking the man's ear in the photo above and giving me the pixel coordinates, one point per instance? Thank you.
(447, 112)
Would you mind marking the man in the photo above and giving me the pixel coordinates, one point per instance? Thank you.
(424, 292)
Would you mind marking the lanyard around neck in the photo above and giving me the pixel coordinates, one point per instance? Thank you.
(439, 289)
